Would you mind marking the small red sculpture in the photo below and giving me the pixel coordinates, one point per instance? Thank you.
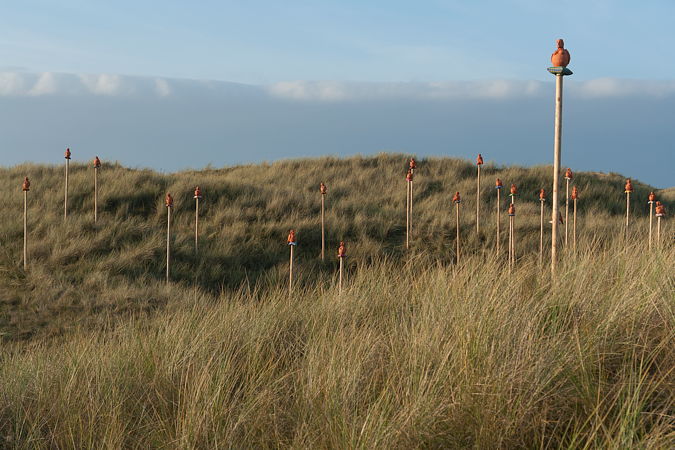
(542, 195)
(498, 184)
(512, 209)
(409, 175)
(322, 188)
(198, 192)
(575, 193)
(514, 190)
(568, 174)
(560, 57)
(456, 198)
(342, 252)
(413, 164)
(291, 237)
(660, 209)
(629, 186)
(97, 163)
(26, 185)
(168, 200)
(67, 153)
(652, 197)
(479, 160)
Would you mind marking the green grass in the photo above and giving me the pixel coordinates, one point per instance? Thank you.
(417, 352)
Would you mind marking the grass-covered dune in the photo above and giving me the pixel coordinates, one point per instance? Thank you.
(418, 351)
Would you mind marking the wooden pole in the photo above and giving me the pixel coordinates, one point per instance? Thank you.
(457, 200)
(340, 281)
(342, 254)
(407, 215)
(25, 230)
(658, 232)
(513, 241)
(651, 219)
(95, 194)
(498, 185)
(567, 207)
(627, 211)
(479, 162)
(574, 227)
(411, 205)
(290, 272)
(168, 241)
(556, 170)
(196, 224)
(65, 201)
(541, 230)
(323, 229)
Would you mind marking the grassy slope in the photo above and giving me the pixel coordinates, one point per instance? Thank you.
(418, 352)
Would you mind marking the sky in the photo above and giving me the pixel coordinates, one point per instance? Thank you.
(237, 82)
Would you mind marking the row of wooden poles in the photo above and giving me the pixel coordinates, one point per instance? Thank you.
(654, 206)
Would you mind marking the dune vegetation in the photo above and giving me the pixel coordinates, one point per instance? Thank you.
(418, 351)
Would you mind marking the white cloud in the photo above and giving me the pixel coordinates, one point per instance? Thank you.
(46, 84)
(162, 87)
(105, 84)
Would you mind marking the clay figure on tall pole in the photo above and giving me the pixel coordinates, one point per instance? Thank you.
(168, 202)
(513, 193)
(575, 197)
(342, 254)
(628, 189)
(560, 60)
(652, 199)
(498, 186)
(457, 200)
(479, 163)
(292, 242)
(412, 165)
(512, 235)
(323, 190)
(197, 197)
(568, 177)
(542, 200)
(97, 165)
(65, 201)
(25, 187)
(660, 212)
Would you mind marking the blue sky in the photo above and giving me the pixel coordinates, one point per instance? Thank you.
(339, 56)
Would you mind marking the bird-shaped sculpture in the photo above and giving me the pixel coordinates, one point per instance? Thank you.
(629, 186)
(652, 197)
(568, 174)
(342, 251)
(413, 164)
(198, 192)
(498, 184)
(575, 193)
(67, 154)
(560, 57)
(322, 188)
(456, 198)
(26, 185)
(512, 209)
(291, 237)
(168, 200)
(97, 163)
(479, 160)
(542, 195)
(409, 175)
(514, 190)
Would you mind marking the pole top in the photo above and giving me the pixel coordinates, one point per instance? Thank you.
(456, 198)
(342, 251)
(498, 184)
(575, 193)
(168, 200)
(67, 153)
(629, 186)
(291, 238)
(413, 164)
(568, 174)
(542, 195)
(198, 192)
(322, 189)
(660, 209)
(479, 160)
(409, 175)
(512, 209)
(97, 163)
(26, 185)
(652, 197)
(514, 190)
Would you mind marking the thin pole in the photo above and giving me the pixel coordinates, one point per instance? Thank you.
(478, 202)
(457, 225)
(499, 218)
(556, 170)
(290, 272)
(168, 241)
(196, 224)
(651, 218)
(513, 241)
(65, 201)
(95, 194)
(323, 233)
(340, 279)
(25, 230)
(407, 216)
(658, 231)
(567, 206)
(541, 233)
(411, 205)
(510, 241)
(574, 227)
(627, 211)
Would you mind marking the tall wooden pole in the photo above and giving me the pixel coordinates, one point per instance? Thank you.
(197, 197)
(342, 254)
(409, 178)
(323, 190)
(97, 165)
(542, 200)
(479, 162)
(457, 200)
(575, 196)
(628, 189)
(498, 185)
(168, 202)
(65, 201)
(567, 207)
(512, 236)
(652, 198)
(292, 242)
(25, 188)
(660, 212)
